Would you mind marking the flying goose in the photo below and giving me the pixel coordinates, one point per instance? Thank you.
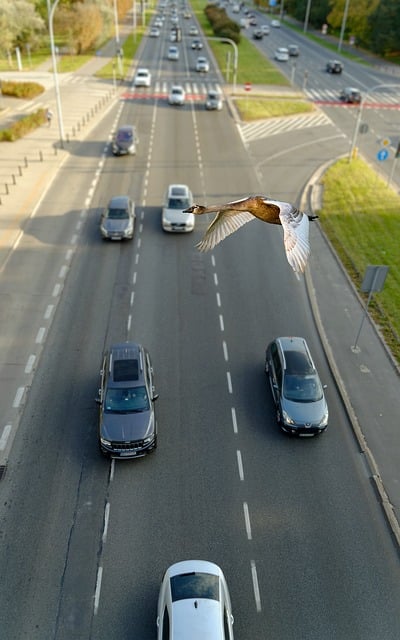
(231, 216)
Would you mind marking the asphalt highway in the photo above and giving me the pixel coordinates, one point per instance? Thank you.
(295, 524)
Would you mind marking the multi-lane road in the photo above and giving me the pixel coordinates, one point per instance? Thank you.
(294, 524)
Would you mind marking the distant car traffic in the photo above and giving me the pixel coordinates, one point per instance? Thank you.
(177, 95)
(213, 101)
(265, 29)
(177, 198)
(276, 24)
(154, 32)
(118, 219)
(281, 54)
(258, 34)
(202, 65)
(125, 141)
(194, 603)
(142, 78)
(197, 44)
(193, 31)
(294, 50)
(334, 66)
(297, 391)
(173, 53)
(350, 95)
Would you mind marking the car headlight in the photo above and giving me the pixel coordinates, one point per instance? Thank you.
(106, 443)
(103, 230)
(128, 231)
(287, 419)
(324, 420)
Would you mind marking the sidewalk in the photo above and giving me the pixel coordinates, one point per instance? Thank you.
(366, 378)
(28, 165)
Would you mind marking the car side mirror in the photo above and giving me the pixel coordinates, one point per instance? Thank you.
(155, 397)
(98, 397)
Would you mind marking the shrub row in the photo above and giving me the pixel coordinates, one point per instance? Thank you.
(21, 89)
(221, 24)
(25, 125)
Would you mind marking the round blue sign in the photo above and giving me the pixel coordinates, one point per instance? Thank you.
(382, 154)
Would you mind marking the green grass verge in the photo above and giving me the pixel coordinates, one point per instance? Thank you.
(360, 216)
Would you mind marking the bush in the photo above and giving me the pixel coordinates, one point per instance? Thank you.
(25, 125)
(221, 24)
(21, 89)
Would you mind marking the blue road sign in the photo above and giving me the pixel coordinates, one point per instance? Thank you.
(382, 154)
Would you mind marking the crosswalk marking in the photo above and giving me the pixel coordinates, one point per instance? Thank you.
(262, 128)
(379, 99)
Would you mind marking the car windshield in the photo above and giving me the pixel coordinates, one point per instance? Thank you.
(299, 388)
(117, 214)
(194, 585)
(178, 203)
(124, 136)
(126, 400)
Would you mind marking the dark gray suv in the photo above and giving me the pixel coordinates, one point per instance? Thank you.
(118, 219)
(127, 422)
(297, 391)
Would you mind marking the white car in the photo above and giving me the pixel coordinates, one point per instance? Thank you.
(202, 64)
(282, 54)
(177, 95)
(177, 198)
(265, 29)
(194, 603)
(154, 32)
(213, 101)
(173, 53)
(276, 24)
(193, 31)
(142, 78)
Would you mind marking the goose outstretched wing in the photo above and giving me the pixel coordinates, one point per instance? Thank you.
(295, 236)
(226, 221)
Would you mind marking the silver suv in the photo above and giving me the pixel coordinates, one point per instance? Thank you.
(297, 391)
(127, 421)
(177, 198)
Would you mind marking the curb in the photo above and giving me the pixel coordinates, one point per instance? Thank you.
(310, 199)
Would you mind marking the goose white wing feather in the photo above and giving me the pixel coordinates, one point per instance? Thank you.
(295, 236)
(224, 224)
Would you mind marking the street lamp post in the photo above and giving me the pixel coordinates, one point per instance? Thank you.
(306, 19)
(360, 111)
(50, 12)
(235, 59)
(344, 20)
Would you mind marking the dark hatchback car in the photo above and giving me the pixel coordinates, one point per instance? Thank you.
(350, 95)
(125, 141)
(118, 219)
(297, 391)
(334, 66)
(127, 421)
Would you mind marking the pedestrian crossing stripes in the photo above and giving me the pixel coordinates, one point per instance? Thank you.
(194, 90)
(262, 128)
(379, 99)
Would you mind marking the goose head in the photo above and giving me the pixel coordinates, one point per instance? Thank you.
(197, 209)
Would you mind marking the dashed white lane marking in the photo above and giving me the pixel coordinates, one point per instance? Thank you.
(218, 299)
(229, 380)
(240, 465)
(63, 272)
(247, 520)
(255, 586)
(40, 335)
(18, 397)
(49, 311)
(98, 589)
(221, 323)
(106, 521)
(234, 421)
(56, 290)
(225, 350)
(4, 436)
(30, 363)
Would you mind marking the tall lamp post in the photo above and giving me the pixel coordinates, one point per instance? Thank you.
(344, 20)
(50, 12)
(235, 59)
(360, 111)
(306, 19)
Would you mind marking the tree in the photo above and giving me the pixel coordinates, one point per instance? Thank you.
(19, 23)
(357, 22)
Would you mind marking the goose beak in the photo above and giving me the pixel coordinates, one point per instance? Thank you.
(189, 210)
